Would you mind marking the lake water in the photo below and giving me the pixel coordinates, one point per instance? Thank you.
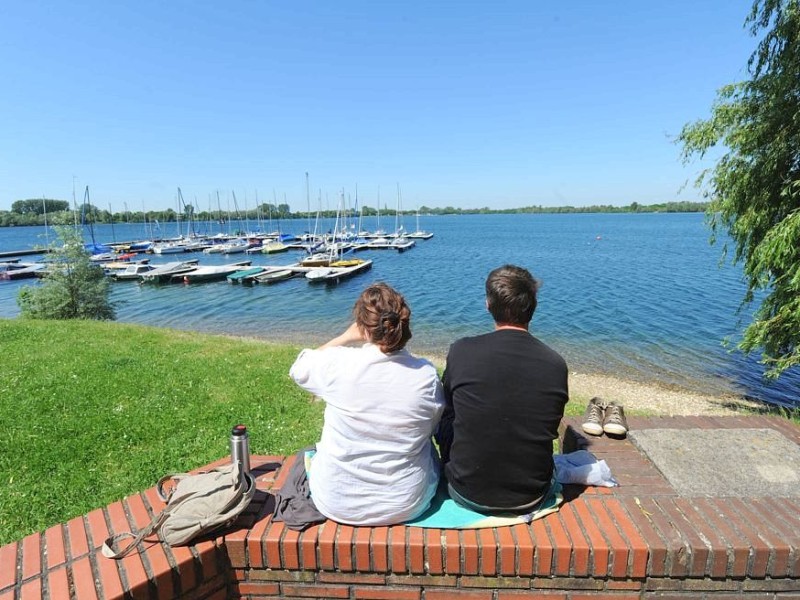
(642, 296)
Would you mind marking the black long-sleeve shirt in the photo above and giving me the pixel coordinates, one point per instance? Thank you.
(507, 391)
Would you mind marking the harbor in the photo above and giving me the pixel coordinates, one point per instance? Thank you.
(627, 305)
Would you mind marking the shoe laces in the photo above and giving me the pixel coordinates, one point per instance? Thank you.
(615, 413)
(595, 411)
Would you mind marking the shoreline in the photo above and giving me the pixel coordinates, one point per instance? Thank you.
(647, 397)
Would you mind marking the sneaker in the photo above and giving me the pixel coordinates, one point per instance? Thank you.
(614, 422)
(594, 416)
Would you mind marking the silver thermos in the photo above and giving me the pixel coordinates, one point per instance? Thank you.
(240, 447)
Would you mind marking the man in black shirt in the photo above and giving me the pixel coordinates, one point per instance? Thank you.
(505, 394)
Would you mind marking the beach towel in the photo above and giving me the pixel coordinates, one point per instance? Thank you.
(444, 513)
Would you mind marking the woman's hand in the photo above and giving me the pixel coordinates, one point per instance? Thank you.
(352, 336)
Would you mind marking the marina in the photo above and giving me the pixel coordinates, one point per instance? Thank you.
(641, 297)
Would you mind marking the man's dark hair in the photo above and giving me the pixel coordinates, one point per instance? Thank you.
(511, 295)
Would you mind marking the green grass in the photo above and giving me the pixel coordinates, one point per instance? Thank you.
(91, 412)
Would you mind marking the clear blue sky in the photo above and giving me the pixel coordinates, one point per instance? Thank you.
(468, 104)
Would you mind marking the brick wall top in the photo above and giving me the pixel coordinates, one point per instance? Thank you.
(638, 531)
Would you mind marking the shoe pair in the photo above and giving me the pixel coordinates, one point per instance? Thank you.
(601, 416)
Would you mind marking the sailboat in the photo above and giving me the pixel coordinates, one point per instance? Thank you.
(400, 242)
(336, 268)
(419, 234)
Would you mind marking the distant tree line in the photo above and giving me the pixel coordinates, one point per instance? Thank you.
(57, 212)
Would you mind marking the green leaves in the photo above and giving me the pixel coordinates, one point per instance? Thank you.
(754, 187)
(74, 287)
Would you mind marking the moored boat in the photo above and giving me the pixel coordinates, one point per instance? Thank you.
(164, 272)
(210, 273)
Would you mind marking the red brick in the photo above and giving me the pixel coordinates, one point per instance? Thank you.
(488, 553)
(31, 555)
(283, 472)
(207, 551)
(78, 544)
(373, 593)
(635, 542)
(109, 577)
(8, 558)
(657, 547)
(315, 591)
(161, 570)
(766, 546)
(561, 544)
(182, 556)
(597, 543)
(677, 547)
(255, 542)
(55, 546)
(434, 551)
(749, 537)
(416, 550)
(258, 588)
(455, 593)
(272, 544)
(83, 580)
(58, 583)
(580, 548)
(361, 549)
(308, 547)
(773, 530)
(507, 551)
(524, 549)
(469, 552)
(343, 546)
(600, 596)
(380, 552)
(543, 553)
(397, 548)
(789, 513)
(351, 578)
(452, 552)
(619, 568)
(32, 590)
(741, 549)
(515, 595)
(8, 595)
(291, 552)
(680, 511)
(98, 530)
(327, 536)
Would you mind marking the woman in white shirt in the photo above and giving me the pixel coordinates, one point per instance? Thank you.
(375, 463)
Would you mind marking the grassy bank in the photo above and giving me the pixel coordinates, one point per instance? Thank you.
(91, 412)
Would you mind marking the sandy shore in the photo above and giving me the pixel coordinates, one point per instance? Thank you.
(652, 399)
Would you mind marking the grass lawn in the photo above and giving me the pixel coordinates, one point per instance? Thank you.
(91, 412)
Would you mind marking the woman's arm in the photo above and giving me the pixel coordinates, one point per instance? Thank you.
(351, 336)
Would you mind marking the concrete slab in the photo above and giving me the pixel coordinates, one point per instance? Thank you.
(723, 462)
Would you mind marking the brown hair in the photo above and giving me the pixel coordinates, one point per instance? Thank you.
(511, 295)
(384, 317)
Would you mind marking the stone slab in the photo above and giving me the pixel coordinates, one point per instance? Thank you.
(723, 462)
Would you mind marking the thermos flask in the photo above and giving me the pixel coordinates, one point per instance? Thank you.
(240, 447)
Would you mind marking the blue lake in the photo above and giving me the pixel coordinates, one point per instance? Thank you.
(641, 296)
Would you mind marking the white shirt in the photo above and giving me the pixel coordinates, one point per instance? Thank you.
(375, 463)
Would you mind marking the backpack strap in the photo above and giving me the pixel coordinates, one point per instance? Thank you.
(245, 490)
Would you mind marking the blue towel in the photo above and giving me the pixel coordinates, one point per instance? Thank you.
(444, 513)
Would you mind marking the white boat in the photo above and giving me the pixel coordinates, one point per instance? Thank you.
(401, 244)
(211, 273)
(235, 247)
(165, 272)
(273, 247)
(275, 276)
(15, 270)
(131, 272)
(174, 247)
(419, 234)
(334, 273)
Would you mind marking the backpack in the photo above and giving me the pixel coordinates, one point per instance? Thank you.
(196, 505)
